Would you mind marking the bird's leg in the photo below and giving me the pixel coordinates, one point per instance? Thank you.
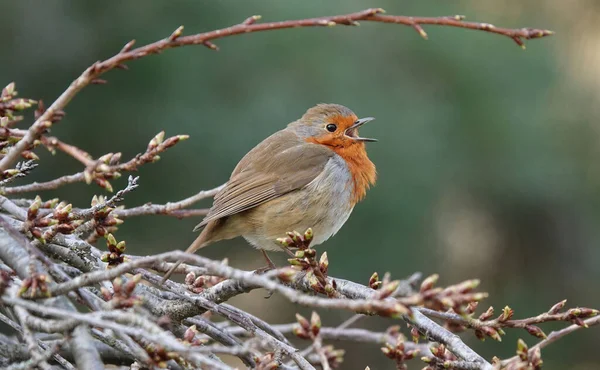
(288, 251)
(270, 265)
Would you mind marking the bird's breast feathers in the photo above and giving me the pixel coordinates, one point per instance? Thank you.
(331, 193)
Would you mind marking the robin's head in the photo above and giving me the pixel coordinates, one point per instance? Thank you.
(332, 125)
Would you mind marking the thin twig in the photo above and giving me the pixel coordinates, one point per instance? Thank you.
(47, 185)
(221, 336)
(86, 355)
(556, 335)
(118, 197)
(575, 315)
(170, 208)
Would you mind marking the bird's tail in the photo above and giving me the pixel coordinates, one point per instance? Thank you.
(201, 241)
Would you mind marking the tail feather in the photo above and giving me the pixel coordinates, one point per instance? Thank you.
(201, 241)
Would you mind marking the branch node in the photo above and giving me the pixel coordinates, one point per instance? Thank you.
(374, 11)
(251, 20)
(210, 45)
(519, 42)
(175, 35)
(420, 30)
(127, 46)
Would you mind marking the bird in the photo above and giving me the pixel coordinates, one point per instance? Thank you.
(310, 174)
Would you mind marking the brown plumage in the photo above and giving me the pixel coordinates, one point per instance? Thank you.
(310, 174)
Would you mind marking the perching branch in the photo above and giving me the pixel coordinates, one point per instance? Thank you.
(363, 299)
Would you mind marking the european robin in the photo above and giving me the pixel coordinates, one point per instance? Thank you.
(310, 174)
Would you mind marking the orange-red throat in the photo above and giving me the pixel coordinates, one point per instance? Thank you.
(344, 141)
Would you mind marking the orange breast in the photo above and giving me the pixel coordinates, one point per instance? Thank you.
(360, 166)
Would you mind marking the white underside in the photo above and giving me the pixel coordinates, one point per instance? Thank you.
(323, 205)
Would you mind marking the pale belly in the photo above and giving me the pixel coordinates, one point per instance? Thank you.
(323, 205)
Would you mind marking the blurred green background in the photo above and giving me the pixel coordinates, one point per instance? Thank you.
(487, 156)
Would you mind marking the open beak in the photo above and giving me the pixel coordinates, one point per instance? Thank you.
(352, 131)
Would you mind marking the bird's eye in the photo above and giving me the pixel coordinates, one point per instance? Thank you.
(331, 127)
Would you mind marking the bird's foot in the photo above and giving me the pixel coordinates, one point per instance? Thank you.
(264, 270)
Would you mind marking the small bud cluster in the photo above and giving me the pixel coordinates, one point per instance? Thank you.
(374, 282)
(190, 337)
(9, 103)
(399, 353)
(577, 315)
(457, 297)
(305, 259)
(386, 288)
(122, 295)
(526, 359)
(19, 104)
(493, 332)
(197, 284)
(57, 115)
(5, 280)
(116, 251)
(160, 356)
(306, 329)
(267, 362)
(45, 227)
(104, 220)
(108, 166)
(415, 335)
(157, 145)
(441, 359)
(287, 274)
(102, 170)
(35, 282)
(335, 357)
(485, 326)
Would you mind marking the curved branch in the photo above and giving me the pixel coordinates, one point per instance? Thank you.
(92, 73)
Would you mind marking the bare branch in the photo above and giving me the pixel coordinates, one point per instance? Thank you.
(47, 185)
(556, 335)
(91, 74)
(118, 197)
(86, 355)
(170, 208)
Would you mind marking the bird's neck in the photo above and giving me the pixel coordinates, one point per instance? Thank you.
(361, 168)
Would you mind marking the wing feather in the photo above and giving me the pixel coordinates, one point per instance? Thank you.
(280, 164)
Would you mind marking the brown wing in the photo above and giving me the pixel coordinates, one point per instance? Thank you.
(278, 165)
